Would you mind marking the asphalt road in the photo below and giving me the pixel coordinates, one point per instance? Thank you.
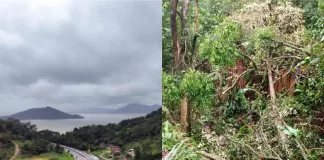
(80, 155)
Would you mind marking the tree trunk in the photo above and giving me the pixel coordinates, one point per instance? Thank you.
(174, 32)
(196, 6)
(185, 108)
(275, 112)
(185, 117)
(184, 9)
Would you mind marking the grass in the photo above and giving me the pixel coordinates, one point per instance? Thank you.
(106, 155)
(97, 152)
(102, 153)
(154, 148)
(20, 144)
(47, 156)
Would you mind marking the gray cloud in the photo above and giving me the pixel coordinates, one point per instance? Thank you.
(74, 54)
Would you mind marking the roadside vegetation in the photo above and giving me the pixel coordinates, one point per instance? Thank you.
(243, 79)
(143, 134)
(48, 156)
(105, 153)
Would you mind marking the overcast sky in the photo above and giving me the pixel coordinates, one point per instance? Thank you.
(79, 54)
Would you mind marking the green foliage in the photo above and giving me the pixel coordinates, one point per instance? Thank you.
(98, 152)
(58, 149)
(321, 7)
(5, 139)
(238, 104)
(210, 16)
(310, 13)
(289, 130)
(259, 41)
(48, 156)
(219, 47)
(166, 35)
(146, 148)
(199, 88)
(177, 145)
(7, 148)
(244, 116)
(258, 44)
(170, 137)
(197, 85)
(309, 138)
(106, 155)
(171, 94)
(264, 34)
(314, 18)
(18, 129)
(243, 131)
(310, 90)
(320, 29)
(24, 132)
(143, 132)
(35, 147)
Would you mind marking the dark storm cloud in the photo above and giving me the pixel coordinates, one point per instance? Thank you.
(72, 54)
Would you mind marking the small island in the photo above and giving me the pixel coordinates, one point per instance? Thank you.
(45, 113)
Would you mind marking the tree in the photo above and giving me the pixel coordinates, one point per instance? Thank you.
(58, 148)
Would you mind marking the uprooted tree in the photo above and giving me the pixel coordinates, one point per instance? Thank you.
(251, 85)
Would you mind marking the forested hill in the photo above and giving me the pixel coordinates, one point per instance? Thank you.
(42, 113)
(142, 133)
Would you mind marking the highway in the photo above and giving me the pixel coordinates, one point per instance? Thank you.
(79, 155)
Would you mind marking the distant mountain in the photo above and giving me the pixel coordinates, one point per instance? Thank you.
(48, 113)
(136, 108)
(128, 109)
(94, 110)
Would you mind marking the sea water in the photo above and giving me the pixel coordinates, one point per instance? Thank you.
(65, 125)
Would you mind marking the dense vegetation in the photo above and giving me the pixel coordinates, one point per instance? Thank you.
(49, 156)
(142, 133)
(30, 141)
(7, 148)
(243, 79)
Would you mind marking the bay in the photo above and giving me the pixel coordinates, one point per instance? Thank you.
(65, 125)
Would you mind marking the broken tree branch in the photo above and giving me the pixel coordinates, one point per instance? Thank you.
(301, 149)
(246, 146)
(247, 57)
(238, 77)
(208, 155)
(291, 46)
(275, 112)
(202, 63)
(180, 15)
(288, 56)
